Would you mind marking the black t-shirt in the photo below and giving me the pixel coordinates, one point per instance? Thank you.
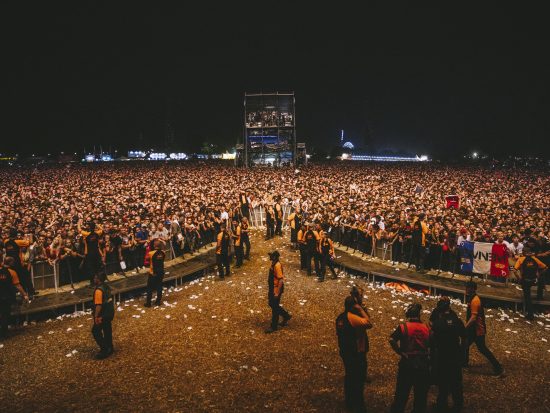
(545, 247)
(116, 241)
(447, 331)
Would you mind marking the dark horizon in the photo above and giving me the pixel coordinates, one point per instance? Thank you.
(443, 81)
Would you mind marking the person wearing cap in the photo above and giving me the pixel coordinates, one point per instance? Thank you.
(529, 270)
(411, 341)
(476, 328)
(276, 286)
(447, 335)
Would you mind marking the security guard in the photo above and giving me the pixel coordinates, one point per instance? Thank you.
(476, 328)
(419, 232)
(295, 221)
(300, 237)
(237, 242)
(244, 208)
(104, 312)
(326, 254)
(278, 218)
(92, 254)
(351, 327)
(156, 272)
(276, 287)
(358, 295)
(9, 281)
(447, 333)
(311, 239)
(245, 238)
(413, 337)
(269, 222)
(222, 251)
(530, 268)
(13, 246)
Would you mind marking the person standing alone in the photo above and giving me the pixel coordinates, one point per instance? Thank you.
(276, 285)
(476, 328)
(104, 311)
(156, 272)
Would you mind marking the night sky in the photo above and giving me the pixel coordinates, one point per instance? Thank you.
(420, 80)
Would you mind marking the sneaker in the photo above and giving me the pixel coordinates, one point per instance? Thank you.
(147, 305)
(101, 355)
(270, 330)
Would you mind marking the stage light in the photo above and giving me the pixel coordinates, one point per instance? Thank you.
(178, 156)
(475, 155)
(157, 156)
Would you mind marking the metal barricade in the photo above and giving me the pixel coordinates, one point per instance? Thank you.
(44, 275)
(169, 253)
(286, 212)
(383, 250)
(257, 216)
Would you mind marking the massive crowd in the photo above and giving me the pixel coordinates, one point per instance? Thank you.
(185, 204)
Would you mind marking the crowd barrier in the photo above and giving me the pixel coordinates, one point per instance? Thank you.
(52, 276)
(435, 257)
(258, 213)
(44, 275)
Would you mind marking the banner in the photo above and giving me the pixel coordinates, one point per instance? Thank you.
(466, 251)
(499, 260)
(482, 257)
(452, 201)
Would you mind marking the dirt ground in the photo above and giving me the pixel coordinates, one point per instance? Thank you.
(205, 350)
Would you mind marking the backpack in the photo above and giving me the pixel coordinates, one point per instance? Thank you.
(347, 341)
